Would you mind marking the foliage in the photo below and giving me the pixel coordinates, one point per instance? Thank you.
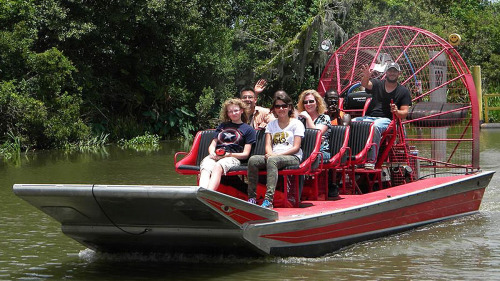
(146, 142)
(89, 144)
(204, 108)
(493, 115)
(71, 71)
(39, 99)
(11, 149)
(476, 22)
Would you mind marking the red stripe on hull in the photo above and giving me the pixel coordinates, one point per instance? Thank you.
(431, 210)
(237, 215)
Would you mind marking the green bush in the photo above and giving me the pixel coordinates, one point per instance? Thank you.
(44, 109)
(11, 149)
(20, 114)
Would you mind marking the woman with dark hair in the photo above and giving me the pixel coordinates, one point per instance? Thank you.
(232, 143)
(283, 138)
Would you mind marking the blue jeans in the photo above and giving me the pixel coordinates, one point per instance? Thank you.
(381, 123)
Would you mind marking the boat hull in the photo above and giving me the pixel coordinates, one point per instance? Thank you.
(377, 217)
(190, 219)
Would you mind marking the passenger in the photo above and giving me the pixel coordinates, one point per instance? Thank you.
(231, 144)
(258, 117)
(311, 109)
(388, 98)
(283, 139)
(337, 117)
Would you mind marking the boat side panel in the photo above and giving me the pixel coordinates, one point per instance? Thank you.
(145, 218)
(428, 211)
(393, 214)
(159, 239)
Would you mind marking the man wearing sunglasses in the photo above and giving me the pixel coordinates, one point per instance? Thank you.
(337, 117)
(259, 116)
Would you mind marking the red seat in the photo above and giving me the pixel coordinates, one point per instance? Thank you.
(338, 161)
(190, 164)
(310, 165)
(310, 145)
(360, 141)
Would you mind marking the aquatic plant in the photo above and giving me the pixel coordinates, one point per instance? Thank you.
(146, 142)
(88, 144)
(11, 149)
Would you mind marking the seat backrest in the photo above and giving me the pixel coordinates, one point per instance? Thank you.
(356, 103)
(308, 143)
(356, 100)
(359, 136)
(259, 148)
(206, 138)
(338, 139)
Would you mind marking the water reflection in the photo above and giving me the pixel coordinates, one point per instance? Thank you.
(32, 246)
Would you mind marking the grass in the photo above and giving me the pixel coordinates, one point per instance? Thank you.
(88, 145)
(11, 148)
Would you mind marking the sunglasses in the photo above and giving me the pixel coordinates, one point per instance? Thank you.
(309, 101)
(280, 106)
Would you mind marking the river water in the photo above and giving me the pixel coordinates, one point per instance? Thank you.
(32, 247)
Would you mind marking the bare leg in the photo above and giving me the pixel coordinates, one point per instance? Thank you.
(215, 178)
(204, 178)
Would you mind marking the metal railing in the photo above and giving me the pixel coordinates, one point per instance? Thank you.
(487, 108)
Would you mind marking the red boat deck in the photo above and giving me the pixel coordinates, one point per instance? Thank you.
(313, 208)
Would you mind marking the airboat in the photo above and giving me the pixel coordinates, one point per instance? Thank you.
(427, 171)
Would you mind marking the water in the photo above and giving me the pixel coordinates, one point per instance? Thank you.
(32, 246)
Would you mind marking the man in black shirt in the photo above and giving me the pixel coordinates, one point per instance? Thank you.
(388, 98)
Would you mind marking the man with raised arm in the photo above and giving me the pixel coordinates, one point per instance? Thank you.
(388, 98)
(259, 116)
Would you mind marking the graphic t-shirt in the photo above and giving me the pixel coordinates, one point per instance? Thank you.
(282, 139)
(233, 137)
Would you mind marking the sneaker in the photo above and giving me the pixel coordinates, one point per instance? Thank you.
(252, 201)
(267, 204)
(370, 166)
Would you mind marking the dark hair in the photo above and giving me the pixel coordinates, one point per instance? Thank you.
(283, 96)
(332, 91)
(279, 92)
(246, 89)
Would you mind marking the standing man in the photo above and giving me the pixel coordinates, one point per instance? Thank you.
(259, 116)
(388, 98)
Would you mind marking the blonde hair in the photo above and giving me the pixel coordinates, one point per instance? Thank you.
(320, 103)
(224, 117)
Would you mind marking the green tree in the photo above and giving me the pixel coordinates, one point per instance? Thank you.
(130, 67)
